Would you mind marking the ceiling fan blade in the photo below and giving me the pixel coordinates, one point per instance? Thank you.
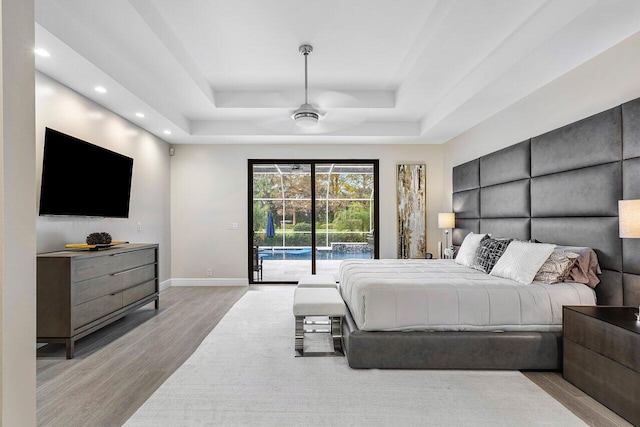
(336, 120)
(334, 99)
(254, 99)
(330, 121)
(281, 125)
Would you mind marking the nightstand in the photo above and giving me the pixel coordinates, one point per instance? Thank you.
(601, 355)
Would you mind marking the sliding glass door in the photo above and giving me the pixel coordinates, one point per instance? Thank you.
(306, 216)
(345, 214)
(281, 221)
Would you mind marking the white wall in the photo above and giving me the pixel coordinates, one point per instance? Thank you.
(17, 217)
(605, 81)
(60, 108)
(209, 192)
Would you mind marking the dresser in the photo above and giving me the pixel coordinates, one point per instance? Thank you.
(601, 356)
(79, 292)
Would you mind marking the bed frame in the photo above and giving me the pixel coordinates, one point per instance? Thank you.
(561, 187)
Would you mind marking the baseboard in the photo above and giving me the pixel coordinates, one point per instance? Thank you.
(165, 285)
(210, 282)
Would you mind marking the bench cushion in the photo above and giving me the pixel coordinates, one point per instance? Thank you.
(318, 302)
(317, 281)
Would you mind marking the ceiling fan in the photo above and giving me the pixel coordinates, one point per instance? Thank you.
(306, 115)
(309, 119)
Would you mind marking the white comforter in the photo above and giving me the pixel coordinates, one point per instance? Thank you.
(440, 295)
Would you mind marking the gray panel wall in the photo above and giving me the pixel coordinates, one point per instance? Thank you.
(562, 187)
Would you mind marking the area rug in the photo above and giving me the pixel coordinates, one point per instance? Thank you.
(245, 373)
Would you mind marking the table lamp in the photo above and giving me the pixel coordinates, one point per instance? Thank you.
(629, 220)
(446, 220)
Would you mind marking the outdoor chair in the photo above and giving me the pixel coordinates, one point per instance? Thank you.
(257, 263)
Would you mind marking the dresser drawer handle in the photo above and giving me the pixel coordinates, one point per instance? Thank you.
(120, 254)
(126, 289)
(131, 269)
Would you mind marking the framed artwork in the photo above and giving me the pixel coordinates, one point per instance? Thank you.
(411, 195)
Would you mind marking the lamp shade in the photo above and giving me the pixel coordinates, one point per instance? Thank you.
(629, 218)
(446, 220)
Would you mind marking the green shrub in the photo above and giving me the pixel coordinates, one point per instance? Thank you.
(302, 226)
(354, 217)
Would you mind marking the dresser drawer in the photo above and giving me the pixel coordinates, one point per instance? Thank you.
(136, 293)
(603, 338)
(95, 309)
(610, 383)
(89, 268)
(93, 288)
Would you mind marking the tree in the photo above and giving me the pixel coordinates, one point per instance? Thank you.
(265, 186)
(355, 217)
(296, 186)
(260, 210)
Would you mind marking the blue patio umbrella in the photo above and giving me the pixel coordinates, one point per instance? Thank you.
(271, 232)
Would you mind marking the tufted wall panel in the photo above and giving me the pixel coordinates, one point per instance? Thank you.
(509, 164)
(464, 227)
(467, 203)
(517, 228)
(599, 233)
(562, 187)
(589, 142)
(592, 191)
(631, 129)
(466, 176)
(510, 200)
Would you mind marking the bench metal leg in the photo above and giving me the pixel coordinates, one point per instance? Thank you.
(336, 334)
(299, 343)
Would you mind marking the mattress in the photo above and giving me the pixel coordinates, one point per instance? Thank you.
(440, 295)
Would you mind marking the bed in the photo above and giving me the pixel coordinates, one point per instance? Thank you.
(436, 314)
(440, 295)
(561, 187)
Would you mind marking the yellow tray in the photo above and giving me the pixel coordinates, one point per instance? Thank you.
(94, 247)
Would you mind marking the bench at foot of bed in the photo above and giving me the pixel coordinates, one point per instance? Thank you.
(324, 302)
(317, 281)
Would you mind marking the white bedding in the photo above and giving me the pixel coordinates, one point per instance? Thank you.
(440, 295)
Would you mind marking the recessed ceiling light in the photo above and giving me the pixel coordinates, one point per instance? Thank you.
(141, 115)
(100, 89)
(41, 52)
(167, 132)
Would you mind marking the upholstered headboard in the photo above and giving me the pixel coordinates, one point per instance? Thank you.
(562, 187)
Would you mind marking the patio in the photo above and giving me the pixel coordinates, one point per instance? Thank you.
(290, 270)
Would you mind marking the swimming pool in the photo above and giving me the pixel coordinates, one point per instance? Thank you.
(305, 254)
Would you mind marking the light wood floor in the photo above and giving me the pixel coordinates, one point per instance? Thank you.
(588, 409)
(117, 368)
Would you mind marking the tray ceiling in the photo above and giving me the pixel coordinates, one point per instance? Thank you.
(414, 71)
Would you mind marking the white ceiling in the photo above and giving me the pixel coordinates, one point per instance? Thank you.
(382, 71)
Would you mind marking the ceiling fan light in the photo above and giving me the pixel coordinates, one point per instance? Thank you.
(306, 119)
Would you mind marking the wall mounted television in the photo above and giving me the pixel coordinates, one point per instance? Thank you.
(82, 179)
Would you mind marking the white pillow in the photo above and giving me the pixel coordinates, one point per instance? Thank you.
(522, 260)
(467, 250)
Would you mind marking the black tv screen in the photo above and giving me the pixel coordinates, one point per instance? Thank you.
(82, 179)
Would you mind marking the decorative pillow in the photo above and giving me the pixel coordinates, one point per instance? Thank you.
(522, 260)
(557, 267)
(467, 251)
(488, 253)
(586, 269)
